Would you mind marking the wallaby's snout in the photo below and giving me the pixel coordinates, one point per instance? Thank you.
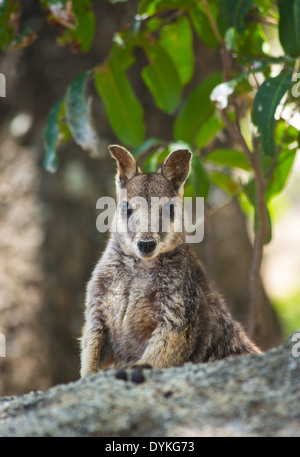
(147, 247)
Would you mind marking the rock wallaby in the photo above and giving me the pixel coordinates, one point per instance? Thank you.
(149, 301)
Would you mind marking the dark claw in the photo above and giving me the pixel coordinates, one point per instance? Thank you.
(137, 376)
(121, 374)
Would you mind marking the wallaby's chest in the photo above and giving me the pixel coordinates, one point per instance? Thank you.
(132, 314)
(130, 299)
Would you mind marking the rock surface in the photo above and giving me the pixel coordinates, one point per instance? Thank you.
(257, 395)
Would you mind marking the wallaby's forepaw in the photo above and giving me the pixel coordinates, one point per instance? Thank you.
(137, 366)
(141, 366)
(88, 365)
(85, 371)
(137, 375)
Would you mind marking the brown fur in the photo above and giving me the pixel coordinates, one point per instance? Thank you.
(158, 308)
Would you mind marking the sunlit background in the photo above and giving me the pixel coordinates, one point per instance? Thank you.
(281, 265)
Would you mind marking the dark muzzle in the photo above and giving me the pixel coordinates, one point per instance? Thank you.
(147, 246)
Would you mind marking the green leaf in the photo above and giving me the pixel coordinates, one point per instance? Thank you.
(78, 114)
(266, 7)
(64, 130)
(285, 134)
(3, 7)
(148, 144)
(85, 29)
(51, 137)
(76, 17)
(193, 8)
(250, 192)
(123, 109)
(265, 103)
(177, 40)
(196, 110)
(161, 78)
(151, 164)
(198, 178)
(151, 7)
(281, 173)
(148, 7)
(11, 37)
(289, 26)
(153, 24)
(189, 190)
(202, 25)
(243, 86)
(225, 182)
(229, 158)
(25, 38)
(208, 131)
(247, 45)
(232, 14)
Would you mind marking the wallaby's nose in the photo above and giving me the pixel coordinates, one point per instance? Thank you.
(147, 246)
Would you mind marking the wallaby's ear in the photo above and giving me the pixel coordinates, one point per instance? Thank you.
(176, 167)
(127, 165)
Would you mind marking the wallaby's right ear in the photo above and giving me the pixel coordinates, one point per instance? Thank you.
(127, 165)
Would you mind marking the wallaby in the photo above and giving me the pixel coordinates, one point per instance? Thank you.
(149, 301)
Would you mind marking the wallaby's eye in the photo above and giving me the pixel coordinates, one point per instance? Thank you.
(125, 210)
(169, 210)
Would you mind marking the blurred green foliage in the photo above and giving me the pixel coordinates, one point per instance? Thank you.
(288, 311)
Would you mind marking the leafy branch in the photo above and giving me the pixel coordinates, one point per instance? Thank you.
(253, 157)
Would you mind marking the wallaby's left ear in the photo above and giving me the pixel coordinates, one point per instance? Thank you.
(176, 167)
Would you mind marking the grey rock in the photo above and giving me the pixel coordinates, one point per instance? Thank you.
(256, 395)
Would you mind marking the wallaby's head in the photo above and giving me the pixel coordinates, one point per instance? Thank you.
(150, 204)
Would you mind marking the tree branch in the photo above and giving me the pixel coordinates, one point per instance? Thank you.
(253, 158)
(237, 137)
(260, 239)
(225, 54)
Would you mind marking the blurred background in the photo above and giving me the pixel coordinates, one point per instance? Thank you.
(48, 238)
